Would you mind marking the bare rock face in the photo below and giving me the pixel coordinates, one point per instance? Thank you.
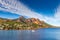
(22, 23)
(29, 20)
(33, 20)
(21, 19)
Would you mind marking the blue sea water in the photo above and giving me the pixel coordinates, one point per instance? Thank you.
(40, 34)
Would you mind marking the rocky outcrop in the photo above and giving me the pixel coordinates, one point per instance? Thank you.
(23, 23)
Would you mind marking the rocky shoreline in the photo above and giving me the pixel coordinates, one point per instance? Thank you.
(22, 23)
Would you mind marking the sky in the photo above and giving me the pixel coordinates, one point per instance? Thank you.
(46, 10)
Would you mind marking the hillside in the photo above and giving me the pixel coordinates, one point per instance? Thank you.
(22, 23)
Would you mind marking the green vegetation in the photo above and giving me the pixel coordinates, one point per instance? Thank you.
(22, 24)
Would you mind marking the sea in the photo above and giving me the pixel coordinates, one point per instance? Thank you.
(40, 34)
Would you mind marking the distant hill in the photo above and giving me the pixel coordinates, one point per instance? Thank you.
(22, 23)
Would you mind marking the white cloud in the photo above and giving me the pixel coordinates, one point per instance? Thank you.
(17, 7)
(56, 18)
(14, 6)
(57, 13)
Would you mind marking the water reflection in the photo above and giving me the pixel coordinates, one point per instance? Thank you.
(41, 34)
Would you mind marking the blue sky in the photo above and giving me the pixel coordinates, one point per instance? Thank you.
(8, 15)
(46, 7)
(46, 10)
